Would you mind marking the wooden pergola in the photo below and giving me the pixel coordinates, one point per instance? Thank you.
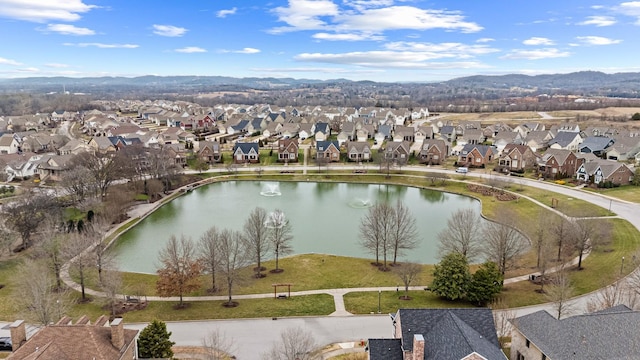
(275, 289)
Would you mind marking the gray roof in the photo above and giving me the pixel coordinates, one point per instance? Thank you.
(564, 138)
(450, 332)
(596, 143)
(611, 335)
(385, 349)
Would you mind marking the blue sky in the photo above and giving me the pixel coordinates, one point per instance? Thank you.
(380, 40)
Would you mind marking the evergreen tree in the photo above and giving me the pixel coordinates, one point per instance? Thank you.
(154, 341)
(485, 284)
(451, 277)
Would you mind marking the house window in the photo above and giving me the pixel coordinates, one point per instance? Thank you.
(527, 343)
(519, 356)
(544, 357)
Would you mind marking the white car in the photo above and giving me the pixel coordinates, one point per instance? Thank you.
(462, 170)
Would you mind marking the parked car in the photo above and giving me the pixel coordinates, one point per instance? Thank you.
(5, 344)
(462, 170)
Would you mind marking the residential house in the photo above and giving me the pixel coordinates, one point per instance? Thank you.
(601, 171)
(448, 133)
(328, 151)
(244, 152)
(517, 158)
(210, 152)
(102, 144)
(177, 152)
(475, 155)
(273, 129)
(439, 334)
(41, 142)
(365, 132)
(290, 130)
(305, 131)
(608, 334)
(82, 340)
(566, 140)
(433, 151)
(74, 146)
(239, 128)
(565, 127)
(287, 150)
(558, 163)
(322, 131)
(359, 151)
(502, 138)
(20, 166)
(538, 140)
(384, 133)
(8, 144)
(398, 151)
(525, 128)
(422, 133)
(596, 145)
(404, 133)
(53, 166)
(624, 148)
(471, 136)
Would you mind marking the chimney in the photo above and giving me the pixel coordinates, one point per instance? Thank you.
(18, 334)
(117, 333)
(418, 347)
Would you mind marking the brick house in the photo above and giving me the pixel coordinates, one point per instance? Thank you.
(558, 163)
(209, 152)
(439, 334)
(328, 150)
(81, 340)
(358, 151)
(602, 171)
(473, 155)
(288, 150)
(398, 151)
(433, 151)
(517, 158)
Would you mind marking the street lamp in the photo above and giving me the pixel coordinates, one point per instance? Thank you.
(379, 294)
(622, 266)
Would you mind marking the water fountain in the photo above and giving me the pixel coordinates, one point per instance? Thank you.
(270, 189)
(359, 203)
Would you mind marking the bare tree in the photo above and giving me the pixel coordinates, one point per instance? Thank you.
(295, 344)
(540, 234)
(233, 257)
(25, 215)
(111, 286)
(408, 273)
(52, 247)
(7, 238)
(404, 235)
(607, 296)
(256, 237)
(180, 269)
(584, 234)
(560, 292)
(105, 168)
(36, 296)
(503, 243)
(462, 234)
(208, 249)
(376, 230)
(218, 346)
(560, 230)
(502, 317)
(280, 236)
(81, 259)
(79, 183)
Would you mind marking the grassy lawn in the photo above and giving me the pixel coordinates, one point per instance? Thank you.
(318, 305)
(367, 302)
(628, 193)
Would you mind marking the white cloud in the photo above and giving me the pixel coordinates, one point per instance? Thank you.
(56, 65)
(441, 50)
(168, 30)
(305, 15)
(537, 41)
(485, 40)
(599, 21)
(225, 13)
(347, 37)
(246, 50)
(191, 49)
(4, 61)
(44, 10)
(630, 8)
(389, 59)
(314, 70)
(103, 46)
(66, 29)
(597, 40)
(28, 70)
(536, 54)
(374, 17)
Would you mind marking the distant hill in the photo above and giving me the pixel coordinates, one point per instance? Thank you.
(584, 83)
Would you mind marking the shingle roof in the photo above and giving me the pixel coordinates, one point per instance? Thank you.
(564, 138)
(385, 349)
(611, 335)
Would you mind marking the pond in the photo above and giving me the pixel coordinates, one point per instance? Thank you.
(325, 217)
